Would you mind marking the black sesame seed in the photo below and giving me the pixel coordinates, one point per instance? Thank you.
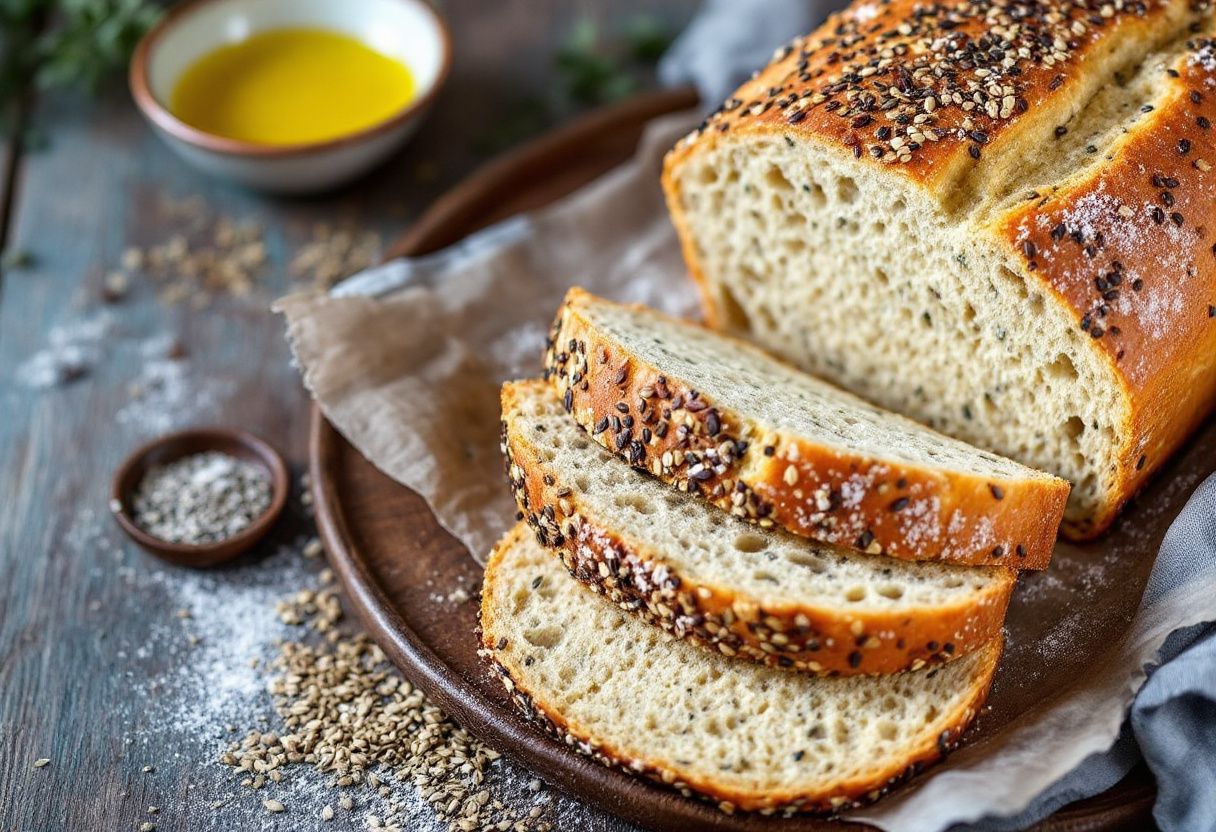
(1211, 311)
(1204, 123)
(998, 493)
(1029, 249)
(1020, 550)
(974, 151)
(713, 424)
(794, 118)
(1140, 462)
(1061, 131)
(1196, 97)
(568, 400)
(1184, 146)
(855, 659)
(898, 504)
(769, 450)
(998, 551)
(864, 540)
(1167, 199)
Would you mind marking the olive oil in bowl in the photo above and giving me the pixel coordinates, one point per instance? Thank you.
(288, 87)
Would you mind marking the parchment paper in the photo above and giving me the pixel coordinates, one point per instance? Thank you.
(406, 361)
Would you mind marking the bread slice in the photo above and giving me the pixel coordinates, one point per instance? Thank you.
(767, 596)
(1011, 244)
(743, 735)
(771, 444)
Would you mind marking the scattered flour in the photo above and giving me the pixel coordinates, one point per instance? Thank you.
(211, 641)
(72, 350)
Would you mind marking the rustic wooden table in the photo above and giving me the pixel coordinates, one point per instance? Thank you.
(130, 676)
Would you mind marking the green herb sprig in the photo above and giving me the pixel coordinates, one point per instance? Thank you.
(58, 44)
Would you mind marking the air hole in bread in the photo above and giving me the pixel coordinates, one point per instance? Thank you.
(846, 190)
(1074, 427)
(750, 542)
(636, 502)
(776, 179)
(855, 594)
(808, 559)
(582, 483)
(543, 636)
(1062, 368)
(892, 591)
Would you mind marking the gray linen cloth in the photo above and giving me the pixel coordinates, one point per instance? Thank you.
(1172, 724)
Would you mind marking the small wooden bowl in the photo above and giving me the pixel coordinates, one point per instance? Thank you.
(175, 446)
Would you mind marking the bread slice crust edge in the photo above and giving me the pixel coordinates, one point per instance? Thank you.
(780, 480)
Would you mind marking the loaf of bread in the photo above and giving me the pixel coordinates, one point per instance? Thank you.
(990, 216)
(697, 572)
(743, 735)
(773, 445)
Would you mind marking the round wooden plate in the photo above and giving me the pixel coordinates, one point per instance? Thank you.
(399, 568)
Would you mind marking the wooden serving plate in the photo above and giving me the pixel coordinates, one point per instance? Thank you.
(399, 567)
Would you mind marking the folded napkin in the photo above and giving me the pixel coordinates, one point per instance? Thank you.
(1172, 722)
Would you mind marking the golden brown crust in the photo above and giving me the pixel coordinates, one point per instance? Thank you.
(932, 90)
(659, 425)
(806, 637)
(838, 798)
(1131, 251)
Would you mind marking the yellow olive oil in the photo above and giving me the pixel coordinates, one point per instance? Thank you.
(290, 87)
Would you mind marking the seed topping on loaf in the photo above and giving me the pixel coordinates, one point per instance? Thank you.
(895, 78)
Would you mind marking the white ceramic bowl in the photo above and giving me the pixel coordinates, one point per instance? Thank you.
(407, 30)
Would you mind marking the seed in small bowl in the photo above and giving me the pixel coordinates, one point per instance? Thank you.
(202, 498)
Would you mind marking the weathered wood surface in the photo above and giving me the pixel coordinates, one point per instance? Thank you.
(97, 672)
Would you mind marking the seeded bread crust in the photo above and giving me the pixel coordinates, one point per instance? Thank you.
(499, 650)
(620, 565)
(1156, 196)
(660, 425)
(964, 129)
